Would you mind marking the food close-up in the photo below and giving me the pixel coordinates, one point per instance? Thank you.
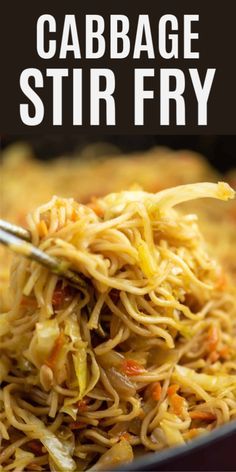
(127, 344)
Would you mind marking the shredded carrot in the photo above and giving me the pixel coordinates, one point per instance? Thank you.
(173, 389)
(36, 447)
(42, 228)
(177, 403)
(51, 361)
(94, 205)
(213, 357)
(82, 404)
(202, 415)
(74, 215)
(224, 352)
(222, 281)
(125, 436)
(76, 425)
(192, 433)
(132, 368)
(156, 391)
(28, 301)
(213, 338)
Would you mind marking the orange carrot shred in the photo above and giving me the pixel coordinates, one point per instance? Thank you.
(125, 436)
(156, 391)
(132, 367)
(213, 338)
(173, 389)
(224, 352)
(213, 357)
(222, 281)
(51, 361)
(192, 433)
(94, 205)
(202, 415)
(28, 301)
(74, 216)
(177, 403)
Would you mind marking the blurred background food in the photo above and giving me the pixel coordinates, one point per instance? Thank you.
(35, 169)
(219, 150)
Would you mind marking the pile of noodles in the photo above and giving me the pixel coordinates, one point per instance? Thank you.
(101, 169)
(140, 356)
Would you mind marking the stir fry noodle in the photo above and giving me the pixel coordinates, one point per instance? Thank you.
(139, 357)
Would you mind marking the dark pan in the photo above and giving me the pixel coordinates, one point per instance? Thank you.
(214, 452)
